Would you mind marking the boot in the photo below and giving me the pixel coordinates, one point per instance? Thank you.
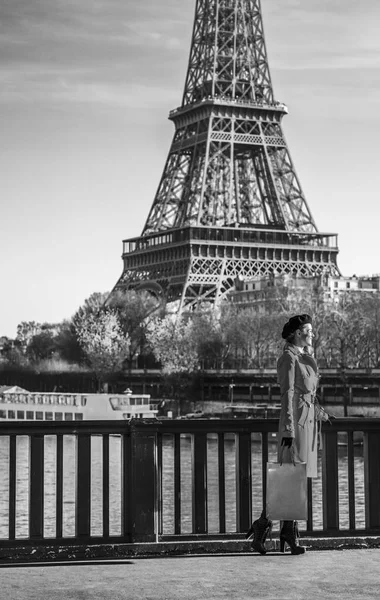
(289, 534)
(259, 529)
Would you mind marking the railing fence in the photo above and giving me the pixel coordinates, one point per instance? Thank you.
(160, 480)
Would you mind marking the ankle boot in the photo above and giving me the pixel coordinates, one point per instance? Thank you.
(259, 529)
(289, 534)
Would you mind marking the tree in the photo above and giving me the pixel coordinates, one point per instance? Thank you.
(235, 333)
(135, 310)
(208, 338)
(172, 344)
(370, 310)
(41, 346)
(104, 344)
(12, 353)
(344, 340)
(67, 344)
(92, 305)
(26, 330)
(251, 334)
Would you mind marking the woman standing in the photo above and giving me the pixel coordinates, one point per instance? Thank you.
(300, 419)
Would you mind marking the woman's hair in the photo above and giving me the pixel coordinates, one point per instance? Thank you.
(293, 324)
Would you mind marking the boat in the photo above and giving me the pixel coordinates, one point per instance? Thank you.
(17, 404)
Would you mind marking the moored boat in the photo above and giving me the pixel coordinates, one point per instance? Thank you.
(17, 404)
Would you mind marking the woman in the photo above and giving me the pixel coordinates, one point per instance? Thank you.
(300, 419)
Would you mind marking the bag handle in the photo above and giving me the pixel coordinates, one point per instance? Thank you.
(291, 450)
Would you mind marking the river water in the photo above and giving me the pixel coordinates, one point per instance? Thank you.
(69, 485)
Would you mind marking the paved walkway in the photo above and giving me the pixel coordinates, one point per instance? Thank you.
(346, 574)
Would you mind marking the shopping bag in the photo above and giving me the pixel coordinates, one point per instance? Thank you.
(286, 491)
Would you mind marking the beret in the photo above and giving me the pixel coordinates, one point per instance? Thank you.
(295, 323)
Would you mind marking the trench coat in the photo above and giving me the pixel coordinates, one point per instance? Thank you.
(300, 415)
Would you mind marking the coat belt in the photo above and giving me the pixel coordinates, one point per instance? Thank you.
(317, 431)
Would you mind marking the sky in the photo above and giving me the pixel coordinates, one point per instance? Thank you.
(85, 91)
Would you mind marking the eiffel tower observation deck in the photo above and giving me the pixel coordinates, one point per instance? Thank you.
(229, 203)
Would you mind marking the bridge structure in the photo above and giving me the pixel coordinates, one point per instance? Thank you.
(229, 203)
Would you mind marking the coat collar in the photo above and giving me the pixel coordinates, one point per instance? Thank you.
(298, 352)
(293, 348)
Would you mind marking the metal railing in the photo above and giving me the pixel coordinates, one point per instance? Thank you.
(160, 480)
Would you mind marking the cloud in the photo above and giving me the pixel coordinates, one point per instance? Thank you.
(124, 96)
(317, 34)
(111, 51)
(79, 86)
(38, 23)
(65, 50)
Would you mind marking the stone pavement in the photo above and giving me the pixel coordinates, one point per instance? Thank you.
(344, 574)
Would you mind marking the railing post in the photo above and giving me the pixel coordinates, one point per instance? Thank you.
(372, 479)
(199, 487)
(83, 486)
(12, 487)
(59, 487)
(243, 482)
(106, 484)
(36, 498)
(222, 483)
(330, 481)
(143, 481)
(177, 483)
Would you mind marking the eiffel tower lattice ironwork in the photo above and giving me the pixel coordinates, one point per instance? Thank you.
(229, 203)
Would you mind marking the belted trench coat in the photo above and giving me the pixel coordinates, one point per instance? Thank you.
(300, 414)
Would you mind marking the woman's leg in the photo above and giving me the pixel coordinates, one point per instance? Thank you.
(289, 534)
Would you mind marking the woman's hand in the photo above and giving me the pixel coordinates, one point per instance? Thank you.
(287, 441)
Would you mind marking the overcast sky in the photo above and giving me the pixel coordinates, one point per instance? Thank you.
(85, 90)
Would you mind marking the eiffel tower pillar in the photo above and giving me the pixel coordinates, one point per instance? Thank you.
(229, 202)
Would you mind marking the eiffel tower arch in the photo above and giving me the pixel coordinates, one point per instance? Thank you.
(229, 203)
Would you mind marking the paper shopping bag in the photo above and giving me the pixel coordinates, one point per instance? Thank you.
(286, 491)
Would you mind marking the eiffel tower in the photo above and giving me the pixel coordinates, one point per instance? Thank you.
(229, 203)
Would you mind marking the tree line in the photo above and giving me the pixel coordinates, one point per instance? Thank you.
(108, 334)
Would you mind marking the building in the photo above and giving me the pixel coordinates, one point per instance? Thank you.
(258, 292)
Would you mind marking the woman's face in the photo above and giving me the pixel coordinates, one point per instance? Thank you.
(306, 335)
